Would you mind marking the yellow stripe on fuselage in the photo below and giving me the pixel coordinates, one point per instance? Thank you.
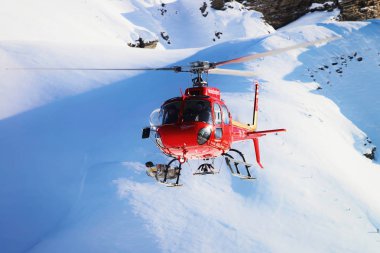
(244, 126)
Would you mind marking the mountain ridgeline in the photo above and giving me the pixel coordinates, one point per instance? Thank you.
(282, 12)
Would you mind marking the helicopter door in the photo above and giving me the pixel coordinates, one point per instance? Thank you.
(218, 122)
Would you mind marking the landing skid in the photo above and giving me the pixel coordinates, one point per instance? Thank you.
(233, 165)
(168, 175)
(168, 184)
(243, 177)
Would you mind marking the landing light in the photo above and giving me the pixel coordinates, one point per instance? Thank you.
(203, 135)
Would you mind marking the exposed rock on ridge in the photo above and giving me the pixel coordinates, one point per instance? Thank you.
(279, 13)
(353, 10)
(282, 12)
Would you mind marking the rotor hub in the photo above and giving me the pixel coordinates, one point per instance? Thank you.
(199, 68)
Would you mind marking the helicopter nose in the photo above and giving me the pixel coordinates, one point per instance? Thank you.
(181, 135)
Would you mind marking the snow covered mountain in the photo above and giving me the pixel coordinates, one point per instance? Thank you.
(71, 158)
(93, 33)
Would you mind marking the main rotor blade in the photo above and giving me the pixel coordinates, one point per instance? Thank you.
(273, 52)
(231, 72)
(176, 69)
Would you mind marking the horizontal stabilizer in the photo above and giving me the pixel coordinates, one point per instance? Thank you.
(264, 132)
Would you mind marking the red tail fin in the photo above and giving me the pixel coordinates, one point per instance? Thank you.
(255, 106)
(257, 151)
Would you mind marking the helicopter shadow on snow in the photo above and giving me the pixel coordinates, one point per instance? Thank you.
(65, 143)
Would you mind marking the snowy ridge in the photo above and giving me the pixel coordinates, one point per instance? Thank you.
(72, 174)
(95, 34)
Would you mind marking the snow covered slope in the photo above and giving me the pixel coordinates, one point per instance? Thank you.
(96, 33)
(72, 175)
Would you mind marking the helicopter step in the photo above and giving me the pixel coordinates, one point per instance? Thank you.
(233, 165)
(164, 173)
(205, 169)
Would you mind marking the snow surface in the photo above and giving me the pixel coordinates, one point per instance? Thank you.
(95, 33)
(72, 174)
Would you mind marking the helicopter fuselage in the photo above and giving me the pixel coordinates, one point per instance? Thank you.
(189, 135)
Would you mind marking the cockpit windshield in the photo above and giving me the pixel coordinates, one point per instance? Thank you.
(170, 112)
(198, 111)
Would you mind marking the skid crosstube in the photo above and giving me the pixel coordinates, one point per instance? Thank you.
(233, 165)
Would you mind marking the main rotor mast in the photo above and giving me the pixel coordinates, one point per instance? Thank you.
(199, 68)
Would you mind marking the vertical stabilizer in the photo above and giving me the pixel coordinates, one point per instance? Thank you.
(255, 106)
(257, 151)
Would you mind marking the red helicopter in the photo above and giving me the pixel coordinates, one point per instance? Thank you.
(198, 124)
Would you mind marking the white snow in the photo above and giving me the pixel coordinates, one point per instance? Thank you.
(312, 19)
(95, 34)
(72, 173)
(319, 5)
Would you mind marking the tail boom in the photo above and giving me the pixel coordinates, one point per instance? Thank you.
(242, 131)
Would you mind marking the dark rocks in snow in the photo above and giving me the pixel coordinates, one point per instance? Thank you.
(281, 12)
(340, 62)
(163, 10)
(165, 36)
(370, 149)
(355, 10)
(325, 6)
(203, 9)
(217, 35)
(141, 43)
(371, 153)
(218, 5)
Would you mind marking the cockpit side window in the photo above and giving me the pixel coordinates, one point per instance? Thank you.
(170, 113)
(226, 116)
(217, 113)
(197, 111)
